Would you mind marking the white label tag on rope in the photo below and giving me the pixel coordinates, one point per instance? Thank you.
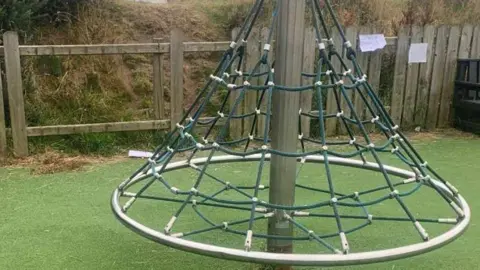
(418, 53)
(139, 154)
(371, 43)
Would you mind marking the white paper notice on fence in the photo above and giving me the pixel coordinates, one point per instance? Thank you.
(139, 154)
(371, 43)
(418, 53)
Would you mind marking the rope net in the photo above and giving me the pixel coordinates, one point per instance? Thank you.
(202, 190)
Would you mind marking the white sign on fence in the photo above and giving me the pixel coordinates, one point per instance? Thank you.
(371, 43)
(418, 53)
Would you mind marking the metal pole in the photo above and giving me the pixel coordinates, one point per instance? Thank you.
(288, 66)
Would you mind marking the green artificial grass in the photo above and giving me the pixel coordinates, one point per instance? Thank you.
(64, 220)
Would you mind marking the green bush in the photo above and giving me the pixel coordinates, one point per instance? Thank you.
(23, 15)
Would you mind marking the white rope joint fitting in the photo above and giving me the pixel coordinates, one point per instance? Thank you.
(396, 149)
(257, 111)
(319, 83)
(341, 82)
(216, 145)
(248, 240)
(250, 137)
(348, 44)
(325, 147)
(200, 146)
(271, 83)
(226, 75)
(188, 135)
(222, 115)
(205, 140)
(215, 78)
(351, 142)
(321, 46)
(334, 200)
(300, 137)
(170, 149)
(370, 218)
(180, 126)
(264, 147)
(421, 230)
(267, 47)
(340, 114)
(375, 119)
(371, 145)
(239, 73)
(194, 191)
(347, 72)
(231, 86)
(246, 83)
(329, 72)
(233, 44)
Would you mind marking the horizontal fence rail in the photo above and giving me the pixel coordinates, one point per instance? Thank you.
(421, 93)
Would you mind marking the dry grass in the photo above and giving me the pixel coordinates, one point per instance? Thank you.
(51, 161)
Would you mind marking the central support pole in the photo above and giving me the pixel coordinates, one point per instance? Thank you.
(285, 107)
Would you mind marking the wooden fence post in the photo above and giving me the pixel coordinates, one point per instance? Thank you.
(332, 106)
(424, 79)
(15, 94)
(351, 33)
(158, 81)
(437, 77)
(235, 125)
(449, 77)
(400, 75)
(411, 85)
(308, 67)
(176, 84)
(3, 134)
(249, 103)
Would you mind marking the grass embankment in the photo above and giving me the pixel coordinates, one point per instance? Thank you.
(92, 89)
(64, 221)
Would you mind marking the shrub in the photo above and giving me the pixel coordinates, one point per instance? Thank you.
(23, 15)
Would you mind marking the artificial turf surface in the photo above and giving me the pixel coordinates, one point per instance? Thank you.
(64, 220)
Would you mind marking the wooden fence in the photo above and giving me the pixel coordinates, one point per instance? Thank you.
(421, 93)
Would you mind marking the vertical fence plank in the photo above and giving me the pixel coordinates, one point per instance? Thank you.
(411, 85)
(421, 105)
(449, 77)
(308, 67)
(363, 60)
(375, 68)
(351, 35)
(3, 134)
(176, 85)
(475, 51)
(235, 127)
(400, 75)
(158, 81)
(437, 77)
(250, 101)
(465, 41)
(332, 108)
(15, 94)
